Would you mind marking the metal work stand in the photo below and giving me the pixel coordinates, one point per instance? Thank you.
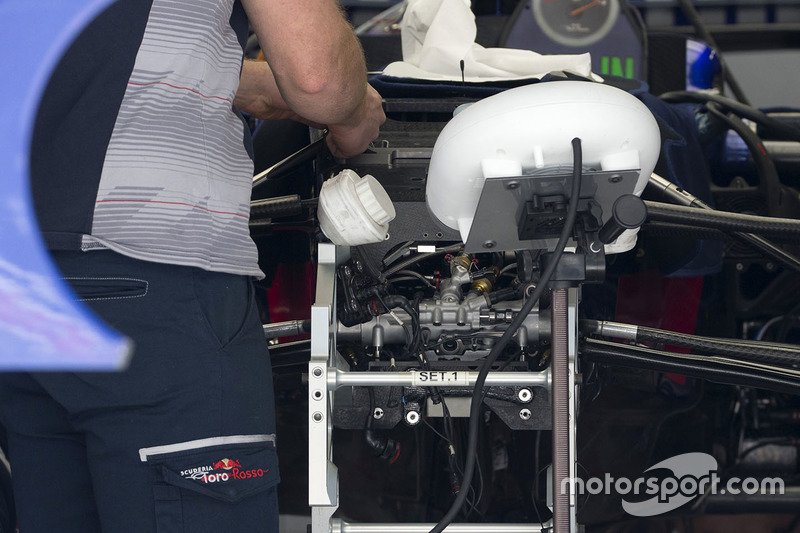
(328, 371)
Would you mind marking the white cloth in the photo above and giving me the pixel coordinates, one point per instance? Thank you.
(438, 34)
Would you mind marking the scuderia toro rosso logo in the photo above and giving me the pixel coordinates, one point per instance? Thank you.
(222, 471)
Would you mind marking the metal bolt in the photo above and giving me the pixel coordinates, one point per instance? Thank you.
(359, 266)
(525, 414)
(512, 185)
(317, 372)
(739, 267)
(317, 394)
(524, 395)
(377, 414)
(616, 178)
(317, 417)
(489, 244)
(347, 271)
(412, 418)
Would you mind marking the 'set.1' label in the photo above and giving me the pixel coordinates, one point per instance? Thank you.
(429, 378)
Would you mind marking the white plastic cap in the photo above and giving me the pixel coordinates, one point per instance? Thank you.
(354, 210)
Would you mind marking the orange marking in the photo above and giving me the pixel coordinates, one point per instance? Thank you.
(579, 10)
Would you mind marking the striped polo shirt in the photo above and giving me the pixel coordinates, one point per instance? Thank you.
(138, 147)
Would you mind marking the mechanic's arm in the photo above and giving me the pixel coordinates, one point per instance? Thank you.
(258, 94)
(316, 71)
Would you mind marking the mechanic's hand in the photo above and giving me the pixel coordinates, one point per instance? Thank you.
(353, 138)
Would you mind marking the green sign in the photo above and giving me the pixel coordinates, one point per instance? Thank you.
(612, 65)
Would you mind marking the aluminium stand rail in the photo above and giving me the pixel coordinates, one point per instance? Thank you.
(339, 526)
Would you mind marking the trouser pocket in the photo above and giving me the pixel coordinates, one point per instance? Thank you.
(218, 484)
(89, 289)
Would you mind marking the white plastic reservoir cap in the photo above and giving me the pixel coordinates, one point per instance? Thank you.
(353, 210)
(527, 130)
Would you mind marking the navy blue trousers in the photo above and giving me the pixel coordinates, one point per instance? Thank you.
(183, 440)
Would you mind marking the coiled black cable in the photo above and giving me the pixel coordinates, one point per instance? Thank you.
(721, 220)
(637, 357)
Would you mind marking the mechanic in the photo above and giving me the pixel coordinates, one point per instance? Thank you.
(141, 174)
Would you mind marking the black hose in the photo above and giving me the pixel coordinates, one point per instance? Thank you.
(786, 355)
(679, 196)
(497, 349)
(769, 181)
(417, 258)
(721, 220)
(502, 294)
(784, 130)
(397, 252)
(681, 230)
(637, 357)
(398, 301)
(377, 442)
(630, 332)
(280, 206)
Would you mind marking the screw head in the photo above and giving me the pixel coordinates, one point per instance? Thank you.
(317, 417)
(377, 414)
(525, 414)
(412, 418)
(616, 178)
(512, 185)
(525, 395)
(317, 372)
(489, 244)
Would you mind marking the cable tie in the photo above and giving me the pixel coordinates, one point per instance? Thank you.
(400, 322)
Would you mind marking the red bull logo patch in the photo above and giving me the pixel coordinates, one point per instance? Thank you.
(223, 471)
(226, 464)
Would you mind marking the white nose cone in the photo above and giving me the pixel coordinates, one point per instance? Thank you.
(354, 210)
(531, 128)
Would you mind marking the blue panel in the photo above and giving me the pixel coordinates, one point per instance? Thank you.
(41, 325)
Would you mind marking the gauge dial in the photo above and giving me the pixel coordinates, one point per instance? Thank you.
(575, 22)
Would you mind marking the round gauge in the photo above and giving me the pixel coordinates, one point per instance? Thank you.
(575, 22)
